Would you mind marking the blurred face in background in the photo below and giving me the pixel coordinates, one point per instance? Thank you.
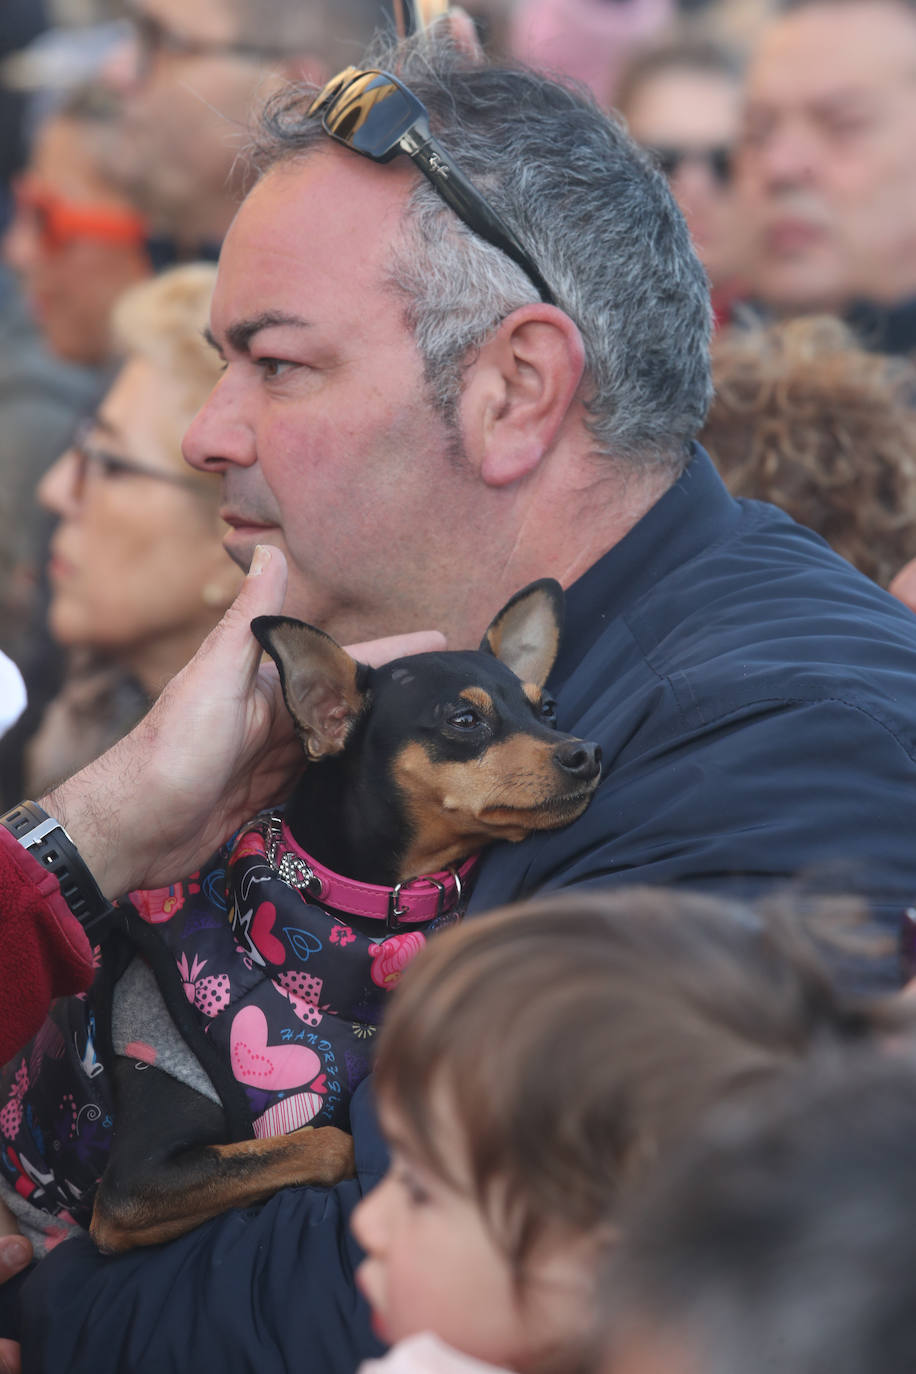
(690, 119)
(73, 241)
(827, 165)
(137, 568)
(187, 81)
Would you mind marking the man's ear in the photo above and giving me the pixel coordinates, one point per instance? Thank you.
(322, 684)
(518, 392)
(526, 633)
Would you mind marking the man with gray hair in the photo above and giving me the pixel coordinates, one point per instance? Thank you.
(459, 356)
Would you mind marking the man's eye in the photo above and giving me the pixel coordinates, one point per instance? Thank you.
(847, 125)
(465, 719)
(273, 367)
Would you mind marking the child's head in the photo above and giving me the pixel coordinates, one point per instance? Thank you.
(533, 1065)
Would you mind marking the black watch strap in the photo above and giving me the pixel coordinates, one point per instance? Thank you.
(47, 841)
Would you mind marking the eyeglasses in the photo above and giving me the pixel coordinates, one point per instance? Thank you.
(90, 459)
(717, 159)
(155, 38)
(60, 222)
(375, 114)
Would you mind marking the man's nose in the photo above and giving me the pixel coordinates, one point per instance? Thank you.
(787, 155)
(19, 246)
(219, 435)
(124, 67)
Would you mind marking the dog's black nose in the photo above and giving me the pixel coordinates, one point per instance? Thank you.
(580, 758)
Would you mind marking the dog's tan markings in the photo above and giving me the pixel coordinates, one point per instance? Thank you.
(476, 696)
(223, 1176)
(533, 692)
(454, 808)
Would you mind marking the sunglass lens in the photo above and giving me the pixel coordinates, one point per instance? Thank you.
(372, 114)
(668, 160)
(330, 92)
(720, 164)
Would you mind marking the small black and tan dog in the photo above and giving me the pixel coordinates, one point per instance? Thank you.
(418, 765)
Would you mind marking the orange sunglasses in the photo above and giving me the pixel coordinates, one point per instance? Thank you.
(61, 221)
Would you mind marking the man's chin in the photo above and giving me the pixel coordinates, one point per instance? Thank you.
(241, 543)
(806, 286)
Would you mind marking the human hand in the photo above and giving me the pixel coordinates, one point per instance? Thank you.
(217, 747)
(15, 1254)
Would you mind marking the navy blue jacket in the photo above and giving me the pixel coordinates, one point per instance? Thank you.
(755, 699)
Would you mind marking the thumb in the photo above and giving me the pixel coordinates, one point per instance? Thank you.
(262, 593)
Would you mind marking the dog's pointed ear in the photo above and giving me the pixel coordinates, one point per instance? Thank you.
(323, 687)
(526, 633)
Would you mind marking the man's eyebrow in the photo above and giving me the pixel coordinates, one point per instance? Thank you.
(240, 334)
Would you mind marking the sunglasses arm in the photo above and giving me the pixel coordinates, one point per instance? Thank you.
(454, 188)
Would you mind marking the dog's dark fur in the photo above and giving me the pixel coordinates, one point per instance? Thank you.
(423, 761)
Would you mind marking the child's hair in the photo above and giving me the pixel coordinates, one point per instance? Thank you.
(573, 1037)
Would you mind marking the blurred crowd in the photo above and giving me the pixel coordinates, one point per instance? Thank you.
(785, 129)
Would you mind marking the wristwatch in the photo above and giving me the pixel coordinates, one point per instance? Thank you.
(47, 841)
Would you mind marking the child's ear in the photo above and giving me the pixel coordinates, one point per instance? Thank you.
(526, 633)
(322, 684)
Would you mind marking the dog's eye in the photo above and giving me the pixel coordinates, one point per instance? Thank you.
(549, 710)
(465, 719)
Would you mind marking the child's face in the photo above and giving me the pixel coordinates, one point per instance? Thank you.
(432, 1265)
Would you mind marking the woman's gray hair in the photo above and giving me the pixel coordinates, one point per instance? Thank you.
(592, 211)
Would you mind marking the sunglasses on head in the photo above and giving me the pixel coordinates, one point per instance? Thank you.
(375, 114)
(717, 159)
(61, 222)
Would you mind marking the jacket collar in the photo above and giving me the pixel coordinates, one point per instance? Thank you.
(695, 512)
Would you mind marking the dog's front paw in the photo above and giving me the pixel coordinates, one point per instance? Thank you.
(326, 1154)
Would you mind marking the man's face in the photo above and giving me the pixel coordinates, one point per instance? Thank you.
(693, 116)
(321, 424)
(827, 166)
(186, 100)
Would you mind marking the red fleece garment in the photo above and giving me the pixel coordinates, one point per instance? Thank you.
(45, 952)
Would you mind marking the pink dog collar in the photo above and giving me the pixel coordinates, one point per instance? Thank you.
(410, 902)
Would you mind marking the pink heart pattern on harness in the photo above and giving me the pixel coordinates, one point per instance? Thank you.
(262, 936)
(260, 1065)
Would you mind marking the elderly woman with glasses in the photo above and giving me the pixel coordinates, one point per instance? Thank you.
(137, 570)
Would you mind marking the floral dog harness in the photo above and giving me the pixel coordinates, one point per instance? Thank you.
(278, 994)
